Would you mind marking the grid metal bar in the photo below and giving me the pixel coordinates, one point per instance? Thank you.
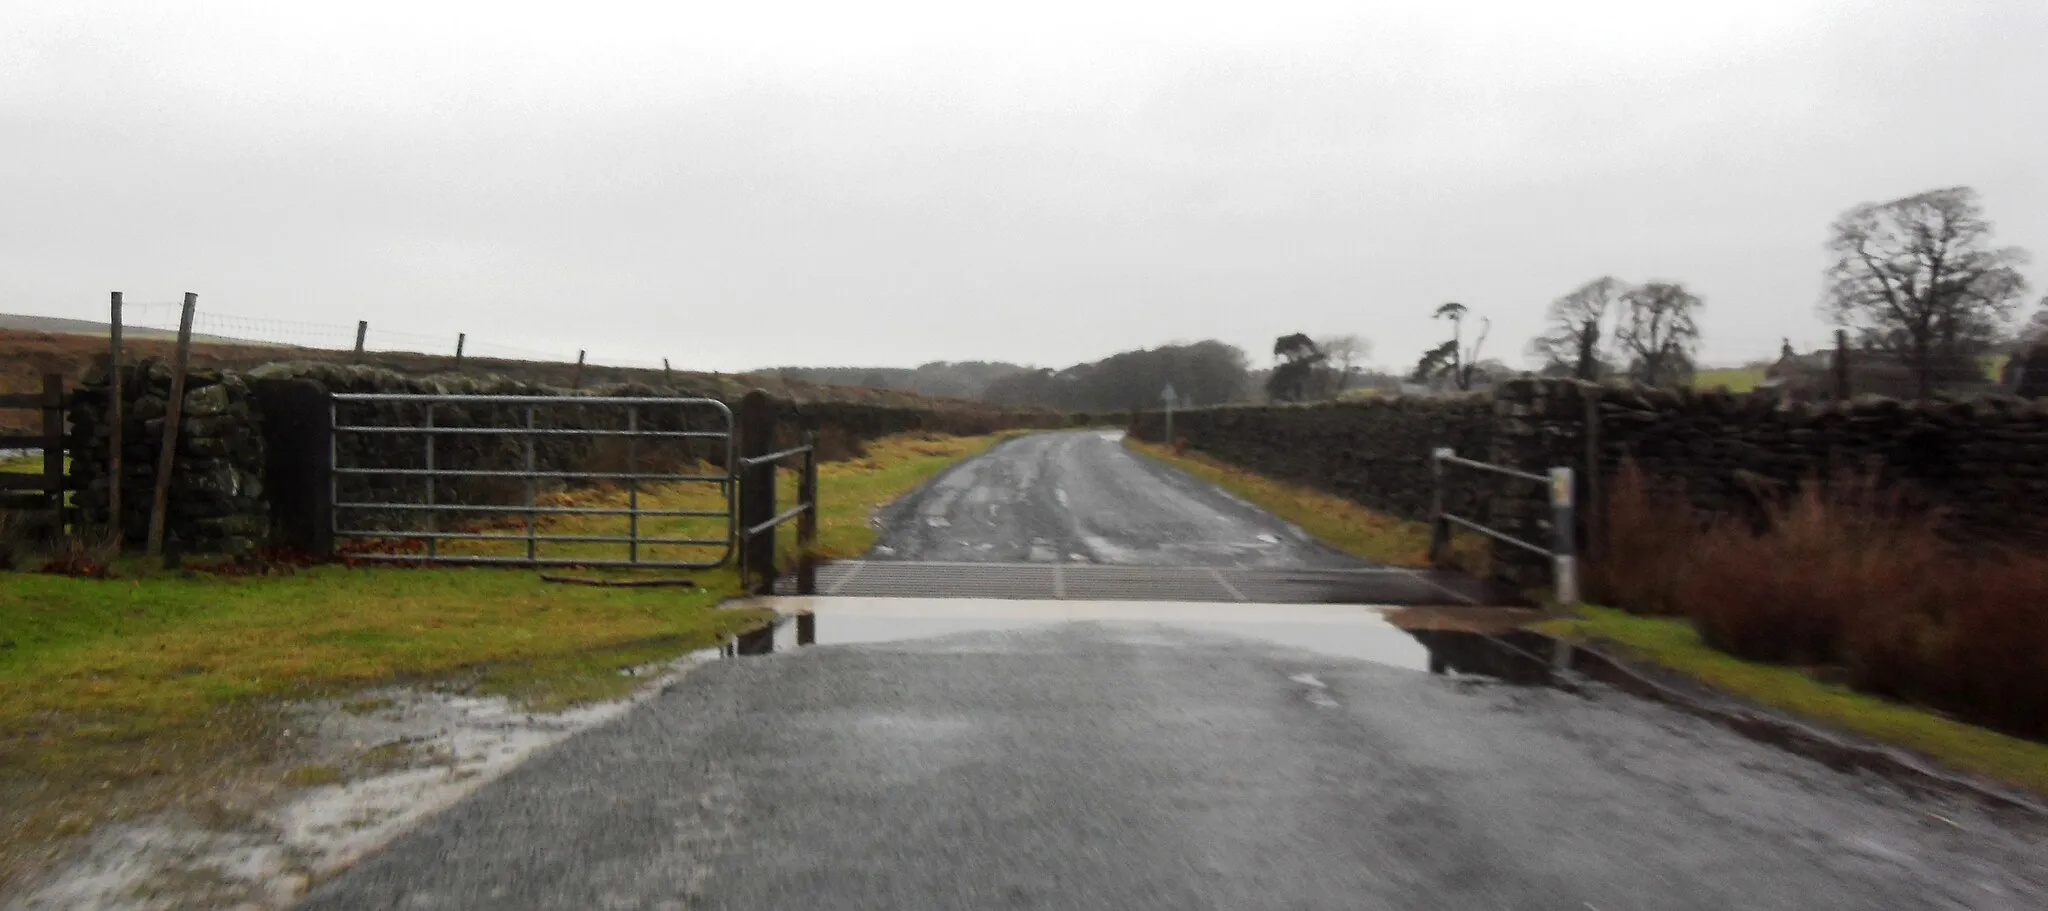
(531, 400)
(542, 431)
(633, 487)
(559, 475)
(553, 539)
(1496, 469)
(534, 510)
(774, 456)
(1505, 539)
(540, 561)
(431, 515)
(532, 491)
(787, 514)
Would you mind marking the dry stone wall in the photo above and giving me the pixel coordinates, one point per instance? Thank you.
(217, 499)
(1983, 461)
(254, 446)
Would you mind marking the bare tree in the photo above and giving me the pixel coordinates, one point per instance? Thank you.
(2035, 328)
(1572, 337)
(1919, 276)
(1658, 333)
(1347, 355)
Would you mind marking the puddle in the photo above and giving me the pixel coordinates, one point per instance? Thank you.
(1480, 642)
(440, 746)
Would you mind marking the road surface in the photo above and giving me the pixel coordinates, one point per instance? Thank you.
(1124, 764)
(1082, 497)
(961, 754)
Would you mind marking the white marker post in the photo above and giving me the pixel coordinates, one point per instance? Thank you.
(1169, 396)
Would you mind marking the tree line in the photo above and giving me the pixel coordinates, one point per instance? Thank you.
(1918, 279)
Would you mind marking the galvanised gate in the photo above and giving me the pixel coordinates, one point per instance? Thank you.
(601, 481)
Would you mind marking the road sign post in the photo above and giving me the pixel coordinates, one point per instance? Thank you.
(1168, 396)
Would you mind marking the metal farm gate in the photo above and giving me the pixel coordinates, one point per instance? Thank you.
(493, 479)
(531, 480)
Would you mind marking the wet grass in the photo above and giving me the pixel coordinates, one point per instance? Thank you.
(1331, 519)
(1672, 643)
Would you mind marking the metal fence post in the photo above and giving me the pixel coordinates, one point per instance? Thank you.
(1439, 530)
(1564, 550)
(807, 523)
(756, 492)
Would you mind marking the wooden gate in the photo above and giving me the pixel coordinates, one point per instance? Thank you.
(39, 490)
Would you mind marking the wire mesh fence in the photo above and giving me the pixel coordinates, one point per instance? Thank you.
(160, 320)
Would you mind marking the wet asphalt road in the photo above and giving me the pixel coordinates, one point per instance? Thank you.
(1143, 762)
(1147, 766)
(1081, 497)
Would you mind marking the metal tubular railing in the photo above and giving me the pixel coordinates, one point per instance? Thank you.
(435, 473)
(1563, 549)
(757, 497)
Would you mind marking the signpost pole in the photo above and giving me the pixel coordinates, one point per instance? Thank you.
(1168, 396)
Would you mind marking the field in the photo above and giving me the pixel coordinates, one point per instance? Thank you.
(1744, 379)
(1736, 379)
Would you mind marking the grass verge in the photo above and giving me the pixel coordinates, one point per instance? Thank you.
(1331, 519)
(1672, 643)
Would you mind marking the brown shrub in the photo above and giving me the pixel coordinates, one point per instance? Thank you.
(1639, 557)
(1850, 573)
(1969, 638)
(1839, 553)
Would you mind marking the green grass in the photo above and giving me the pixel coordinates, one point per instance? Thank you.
(1672, 643)
(1333, 520)
(1737, 379)
(97, 663)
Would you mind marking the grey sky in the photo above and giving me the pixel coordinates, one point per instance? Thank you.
(739, 184)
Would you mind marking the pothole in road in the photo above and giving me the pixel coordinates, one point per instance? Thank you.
(1481, 643)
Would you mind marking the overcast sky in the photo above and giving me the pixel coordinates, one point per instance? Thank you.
(747, 183)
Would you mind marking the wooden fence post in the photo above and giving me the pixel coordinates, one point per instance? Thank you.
(168, 456)
(461, 338)
(756, 421)
(362, 332)
(53, 447)
(115, 418)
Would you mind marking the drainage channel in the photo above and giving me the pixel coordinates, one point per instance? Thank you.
(1468, 642)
